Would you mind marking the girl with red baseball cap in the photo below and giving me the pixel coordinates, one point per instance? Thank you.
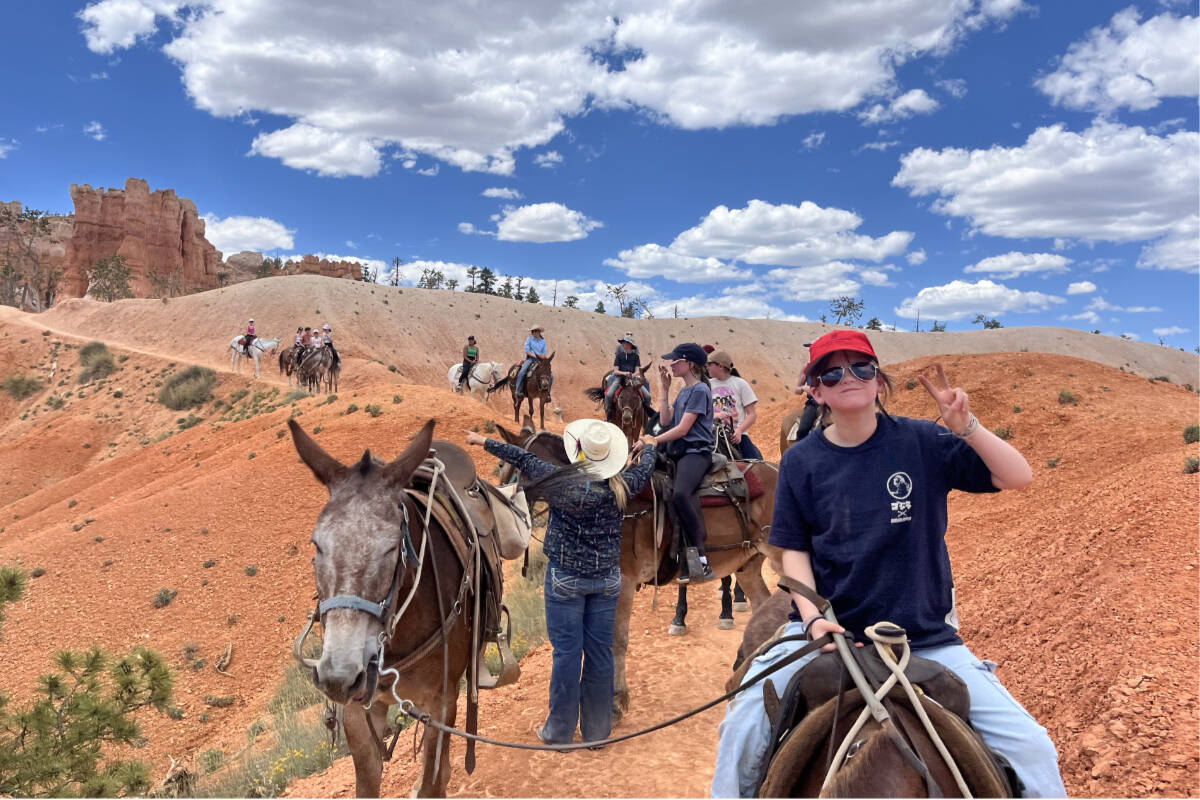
(860, 517)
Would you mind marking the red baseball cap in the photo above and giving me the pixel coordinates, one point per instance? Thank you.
(833, 341)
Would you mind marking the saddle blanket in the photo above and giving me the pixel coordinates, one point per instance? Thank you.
(742, 483)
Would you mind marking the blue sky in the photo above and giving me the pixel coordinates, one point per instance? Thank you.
(1036, 163)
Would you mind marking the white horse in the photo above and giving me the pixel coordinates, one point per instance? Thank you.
(257, 348)
(483, 375)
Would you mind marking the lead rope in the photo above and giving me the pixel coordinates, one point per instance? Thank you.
(882, 645)
(883, 642)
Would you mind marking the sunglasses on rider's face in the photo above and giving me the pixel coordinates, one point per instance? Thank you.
(863, 370)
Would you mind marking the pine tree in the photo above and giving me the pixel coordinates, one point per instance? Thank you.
(108, 279)
(68, 741)
(506, 289)
(599, 309)
(487, 281)
(571, 302)
(531, 296)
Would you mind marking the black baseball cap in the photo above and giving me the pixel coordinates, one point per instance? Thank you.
(689, 351)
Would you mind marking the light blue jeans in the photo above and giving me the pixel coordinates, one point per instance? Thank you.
(1006, 727)
(525, 365)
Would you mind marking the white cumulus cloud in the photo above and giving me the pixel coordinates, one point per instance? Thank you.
(502, 192)
(1128, 64)
(1013, 264)
(470, 84)
(960, 299)
(235, 234)
(649, 260)
(1110, 182)
(1173, 330)
(1081, 287)
(543, 222)
(549, 159)
(320, 150)
(916, 101)
(95, 131)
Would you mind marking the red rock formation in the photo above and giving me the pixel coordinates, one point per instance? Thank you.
(311, 265)
(153, 230)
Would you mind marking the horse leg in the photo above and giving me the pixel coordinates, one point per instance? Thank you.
(541, 411)
(435, 772)
(678, 625)
(725, 620)
(620, 645)
(368, 763)
(739, 597)
(749, 576)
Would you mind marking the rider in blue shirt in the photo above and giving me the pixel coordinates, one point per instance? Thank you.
(535, 350)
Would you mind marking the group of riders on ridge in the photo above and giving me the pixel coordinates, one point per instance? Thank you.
(715, 401)
(308, 341)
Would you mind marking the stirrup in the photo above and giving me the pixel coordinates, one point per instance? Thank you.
(695, 567)
(510, 668)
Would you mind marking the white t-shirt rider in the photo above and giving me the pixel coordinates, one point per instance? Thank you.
(731, 396)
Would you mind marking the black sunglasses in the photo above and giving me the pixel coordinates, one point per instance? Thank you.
(863, 370)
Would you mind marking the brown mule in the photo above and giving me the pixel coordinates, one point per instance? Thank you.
(645, 560)
(374, 556)
(537, 386)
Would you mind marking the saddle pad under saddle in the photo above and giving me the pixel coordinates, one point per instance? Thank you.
(736, 476)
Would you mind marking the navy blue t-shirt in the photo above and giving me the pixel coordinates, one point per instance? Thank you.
(873, 519)
(695, 399)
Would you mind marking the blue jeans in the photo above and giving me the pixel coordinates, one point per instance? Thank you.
(1005, 726)
(748, 448)
(579, 622)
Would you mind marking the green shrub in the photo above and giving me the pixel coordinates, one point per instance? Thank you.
(95, 362)
(1016, 409)
(1162, 378)
(1053, 462)
(293, 396)
(164, 597)
(1004, 433)
(190, 388)
(55, 402)
(69, 740)
(373, 409)
(251, 570)
(19, 386)
(911, 383)
(187, 422)
(211, 759)
(1191, 465)
(395, 399)
(1191, 434)
(350, 409)
(1065, 397)
(218, 701)
(209, 563)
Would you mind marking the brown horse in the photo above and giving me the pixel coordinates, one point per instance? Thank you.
(287, 361)
(538, 379)
(875, 766)
(628, 413)
(366, 538)
(645, 561)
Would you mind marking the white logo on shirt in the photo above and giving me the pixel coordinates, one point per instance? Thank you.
(899, 486)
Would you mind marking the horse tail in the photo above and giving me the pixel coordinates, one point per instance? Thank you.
(498, 384)
(594, 393)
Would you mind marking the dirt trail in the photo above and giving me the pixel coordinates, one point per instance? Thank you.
(116, 497)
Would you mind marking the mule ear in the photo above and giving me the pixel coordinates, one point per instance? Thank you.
(551, 358)
(324, 466)
(401, 469)
(511, 438)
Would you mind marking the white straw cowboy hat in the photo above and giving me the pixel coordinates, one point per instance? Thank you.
(602, 445)
(627, 338)
(537, 328)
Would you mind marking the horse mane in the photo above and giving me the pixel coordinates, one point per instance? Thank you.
(594, 393)
(875, 757)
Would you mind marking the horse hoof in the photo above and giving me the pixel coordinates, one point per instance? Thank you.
(743, 606)
(724, 624)
(677, 630)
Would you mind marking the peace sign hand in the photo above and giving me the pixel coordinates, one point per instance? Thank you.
(952, 403)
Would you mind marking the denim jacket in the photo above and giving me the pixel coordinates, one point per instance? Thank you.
(583, 536)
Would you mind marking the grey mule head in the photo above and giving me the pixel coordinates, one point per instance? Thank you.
(358, 540)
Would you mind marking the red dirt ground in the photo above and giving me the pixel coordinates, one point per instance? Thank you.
(1083, 587)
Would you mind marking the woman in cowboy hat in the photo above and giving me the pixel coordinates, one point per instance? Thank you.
(249, 336)
(626, 362)
(535, 350)
(583, 578)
